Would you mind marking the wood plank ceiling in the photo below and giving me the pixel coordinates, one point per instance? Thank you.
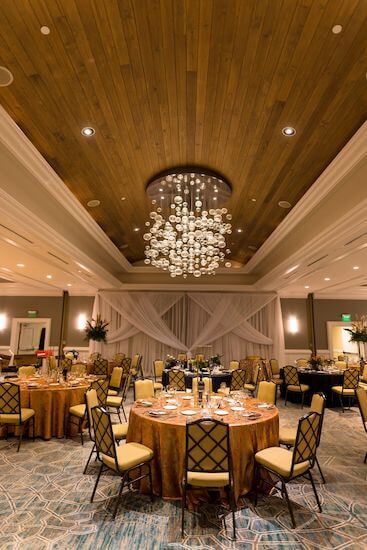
(174, 82)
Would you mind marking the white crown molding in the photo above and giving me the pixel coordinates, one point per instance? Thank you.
(351, 154)
(21, 148)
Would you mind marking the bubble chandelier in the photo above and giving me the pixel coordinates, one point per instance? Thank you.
(187, 229)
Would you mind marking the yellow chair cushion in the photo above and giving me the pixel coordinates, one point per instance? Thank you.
(302, 388)
(158, 386)
(15, 418)
(287, 436)
(114, 401)
(120, 430)
(279, 460)
(112, 392)
(204, 479)
(250, 387)
(128, 456)
(77, 410)
(339, 390)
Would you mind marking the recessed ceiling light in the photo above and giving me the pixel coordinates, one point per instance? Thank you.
(253, 200)
(136, 229)
(69, 284)
(307, 286)
(9, 241)
(6, 77)
(20, 265)
(160, 190)
(239, 230)
(337, 29)
(45, 30)
(228, 264)
(216, 190)
(214, 198)
(356, 267)
(288, 131)
(326, 278)
(284, 204)
(6, 269)
(88, 131)
(291, 269)
(93, 203)
(48, 276)
(162, 197)
(123, 198)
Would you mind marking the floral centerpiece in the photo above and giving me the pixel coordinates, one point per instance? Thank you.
(215, 360)
(358, 333)
(170, 362)
(96, 329)
(316, 362)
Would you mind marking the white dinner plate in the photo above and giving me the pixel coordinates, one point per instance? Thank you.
(237, 409)
(265, 406)
(187, 397)
(252, 415)
(145, 403)
(221, 412)
(189, 412)
(54, 384)
(172, 401)
(170, 407)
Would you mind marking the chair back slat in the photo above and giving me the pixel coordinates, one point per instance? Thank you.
(100, 366)
(291, 375)
(207, 446)
(101, 387)
(9, 398)
(103, 434)
(176, 379)
(307, 438)
(118, 358)
(350, 379)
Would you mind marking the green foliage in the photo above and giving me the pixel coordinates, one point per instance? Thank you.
(96, 329)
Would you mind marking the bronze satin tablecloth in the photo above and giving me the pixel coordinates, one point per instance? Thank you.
(51, 405)
(167, 439)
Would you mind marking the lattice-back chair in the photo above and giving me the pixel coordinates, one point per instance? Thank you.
(341, 365)
(117, 402)
(267, 392)
(287, 465)
(118, 359)
(253, 357)
(182, 357)
(292, 383)
(237, 380)
(252, 384)
(26, 371)
(101, 387)
(95, 355)
(301, 362)
(79, 369)
(78, 413)
(126, 366)
(361, 396)
(100, 367)
(122, 460)
(11, 412)
(208, 461)
(176, 380)
(199, 357)
(234, 365)
(136, 363)
(265, 370)
(158, 368)
(119, 430)
(66, 363)
(350, 384)
(115, 382)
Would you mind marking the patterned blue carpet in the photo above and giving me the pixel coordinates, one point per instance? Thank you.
(44, 502)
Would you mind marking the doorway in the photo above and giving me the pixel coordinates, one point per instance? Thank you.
(339, 341)
(30, 335)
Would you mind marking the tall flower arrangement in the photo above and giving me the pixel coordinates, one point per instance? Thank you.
(358, 332)
(96, 329)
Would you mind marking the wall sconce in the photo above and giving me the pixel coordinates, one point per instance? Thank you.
(293, 326)
(81, 321)
(3, 321)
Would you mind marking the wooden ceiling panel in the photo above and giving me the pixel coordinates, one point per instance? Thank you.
(175, 82)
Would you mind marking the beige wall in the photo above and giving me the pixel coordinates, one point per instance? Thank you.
(49, 307)
(296, 307)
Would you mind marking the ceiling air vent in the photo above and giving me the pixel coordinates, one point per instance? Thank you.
(58, 258)
(318, 260)
(356, 238)
(17, 234)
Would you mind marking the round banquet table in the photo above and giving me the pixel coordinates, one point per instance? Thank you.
(166, 437)
(51, 405)
(217, 379)
(319, 381)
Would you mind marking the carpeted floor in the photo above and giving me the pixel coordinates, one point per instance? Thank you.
(44, 502)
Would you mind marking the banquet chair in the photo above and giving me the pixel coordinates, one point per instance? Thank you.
(158, 368)
(93, 356)
(302, 362)
(117, 402)
(78, 413)
(79, 369)
(361, 396)
(199, 358)
(119, 430)
(287, 465)
(26, 371)
(237, 380)
(66, 363)
(122, 459)
(136, 365)
(350, 384)
(275, 372)
(253, 357)
(252, 385)
(100, 366)
(234, 365)
(208, 461)
(118, 359)
(267, 392)
(363, 382)
(182, 357)
(292, 383)
(176, 380)
(208, 385)
(114, 385)
(11, 412)
(143, 389)
(341, 365)
(287, 436)
(125, 365)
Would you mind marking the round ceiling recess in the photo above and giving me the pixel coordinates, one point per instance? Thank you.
(93, 203)
(284, 204)
(6, 77)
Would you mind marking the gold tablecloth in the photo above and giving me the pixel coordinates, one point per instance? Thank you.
(51, 405)
(167, 439)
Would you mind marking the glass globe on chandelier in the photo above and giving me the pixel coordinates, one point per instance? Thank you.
(187, 229)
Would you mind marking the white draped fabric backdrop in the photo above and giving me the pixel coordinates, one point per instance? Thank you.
(157, 324)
